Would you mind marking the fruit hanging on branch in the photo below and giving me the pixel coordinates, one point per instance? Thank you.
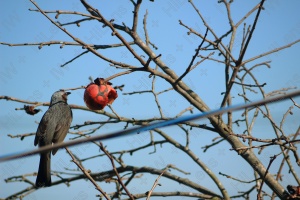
(98, 94)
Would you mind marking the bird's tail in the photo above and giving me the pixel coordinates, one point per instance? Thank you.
(43, 178)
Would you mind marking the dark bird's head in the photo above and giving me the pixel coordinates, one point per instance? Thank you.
(59, 96)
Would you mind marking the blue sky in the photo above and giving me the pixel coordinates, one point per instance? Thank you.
(32, 74)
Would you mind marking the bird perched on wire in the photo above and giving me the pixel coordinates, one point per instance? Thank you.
(53, 128)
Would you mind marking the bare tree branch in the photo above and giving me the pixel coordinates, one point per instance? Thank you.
(87, 174)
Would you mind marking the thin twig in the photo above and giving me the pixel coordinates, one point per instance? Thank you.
(263, 179)
(218, 40)
(193, 58)
(156, 183)
(297, 105)
(115, 170)
(83, 44)
(236, 179)
(239, 61)
(271, 51)
(87, 174)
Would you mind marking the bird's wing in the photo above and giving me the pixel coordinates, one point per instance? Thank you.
(43, 129)
(63, 124)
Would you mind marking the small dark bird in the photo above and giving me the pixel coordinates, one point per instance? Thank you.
(53, 128)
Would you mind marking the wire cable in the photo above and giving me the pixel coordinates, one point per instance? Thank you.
(149, 127)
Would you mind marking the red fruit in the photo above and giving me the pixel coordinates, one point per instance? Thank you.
(98, 94)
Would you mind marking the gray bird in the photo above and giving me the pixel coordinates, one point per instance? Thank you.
(53, 128)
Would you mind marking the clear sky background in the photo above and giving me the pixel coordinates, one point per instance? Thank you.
(32, 74)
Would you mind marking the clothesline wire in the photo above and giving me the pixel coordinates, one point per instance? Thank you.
(160, 124)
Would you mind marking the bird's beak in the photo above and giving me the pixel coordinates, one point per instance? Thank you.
(65, 96)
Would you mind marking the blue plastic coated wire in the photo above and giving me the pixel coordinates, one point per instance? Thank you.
(152, 126)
